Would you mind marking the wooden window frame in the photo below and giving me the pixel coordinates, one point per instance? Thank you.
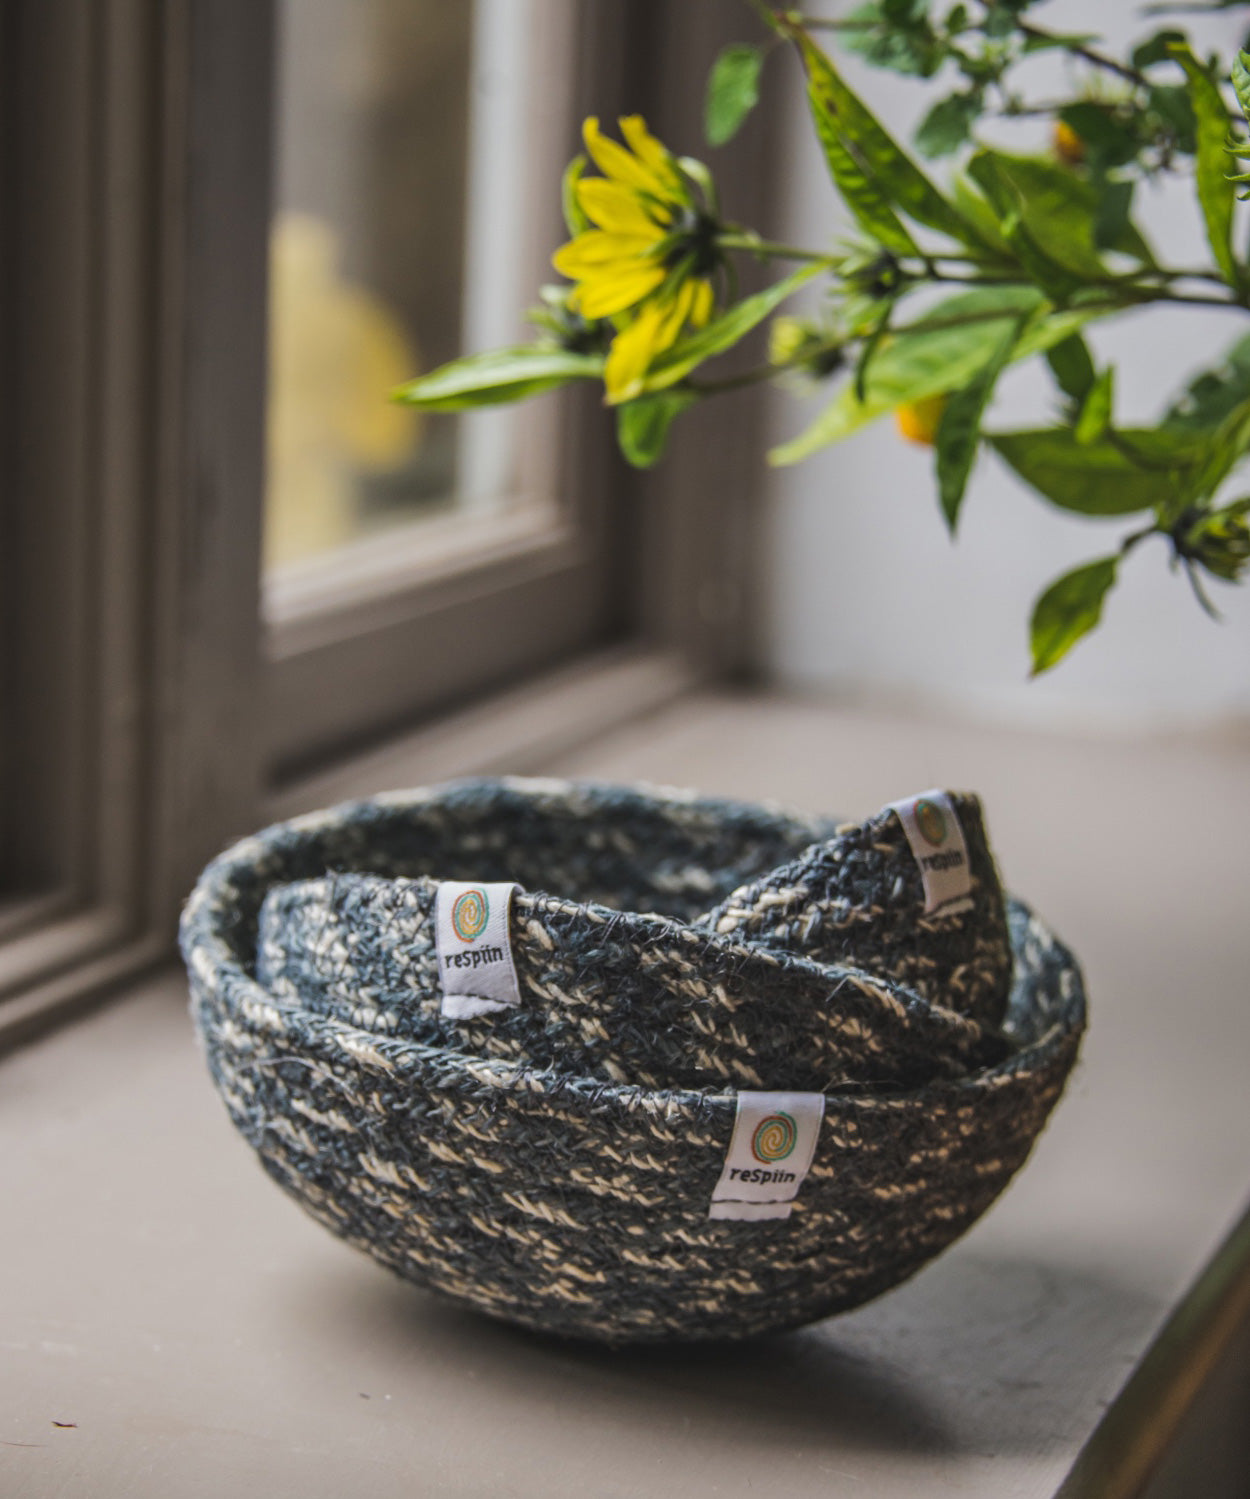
(138, 706)
(133, 388)
(436, 611)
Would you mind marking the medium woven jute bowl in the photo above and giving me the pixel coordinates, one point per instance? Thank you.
(546, 1175)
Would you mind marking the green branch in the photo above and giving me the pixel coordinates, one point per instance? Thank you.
(1086, 53)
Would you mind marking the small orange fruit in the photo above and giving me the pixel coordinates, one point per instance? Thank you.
(918, 420)
(1069, 147)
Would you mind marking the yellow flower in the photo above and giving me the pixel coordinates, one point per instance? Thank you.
(648, 258)
(335, 349)
(918, 421)
(1069, 147)
(788, 338)
(804, 349)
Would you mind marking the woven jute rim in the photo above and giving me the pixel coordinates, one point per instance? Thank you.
(542, 1187)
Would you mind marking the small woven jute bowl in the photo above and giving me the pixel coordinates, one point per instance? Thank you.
(541, 1183)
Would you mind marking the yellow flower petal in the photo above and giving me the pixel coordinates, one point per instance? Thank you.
(592, 251)
(631, 352)
(656, 328)
(619, 209)
(615, 291)
(918, 421)
(703, 302)
(674, 319)
(615, 161)
(651, 153)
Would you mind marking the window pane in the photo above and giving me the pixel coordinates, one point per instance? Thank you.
(402, 139)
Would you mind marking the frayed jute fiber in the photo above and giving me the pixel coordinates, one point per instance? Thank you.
(553, 1163)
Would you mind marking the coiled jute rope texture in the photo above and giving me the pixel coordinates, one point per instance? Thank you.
(553, 1164)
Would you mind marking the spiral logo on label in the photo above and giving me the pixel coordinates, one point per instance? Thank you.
(931, 821)
(774, 1138)
(469, 915)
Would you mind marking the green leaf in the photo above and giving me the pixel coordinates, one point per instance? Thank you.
(1055, 205)
(1054, 42)
(948, 124)
(642, 426)
(1216, 193)
(1224, 449)
(1219, 540)
(1043, 332)
(725, 331)
(1001, 20)
(1156, 48)
(1241, 82)
(1095, 417)
(497, 376)
(733, 90)
(1212, 395)
(1120, 474)
(947, 346)
(869, 347)
(1068, 610)
(939, 352)
(1055, 277)
(1111, 218)
(1110, 140)
(1061, 212)
(896, 34)
(860, 193)
(877, 154)
(1239, 152)
(978, 212)
(1172, 104)
(574, 218)
(959, 430)
(1072, 366)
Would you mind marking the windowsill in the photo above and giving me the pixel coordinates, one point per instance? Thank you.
(521, 729)
(206, 1338)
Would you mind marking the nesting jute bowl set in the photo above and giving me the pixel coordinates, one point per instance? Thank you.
(631, 1064)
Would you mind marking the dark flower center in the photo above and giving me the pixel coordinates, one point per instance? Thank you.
(694, 234)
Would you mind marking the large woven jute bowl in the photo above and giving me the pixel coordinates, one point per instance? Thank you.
(563, 1186)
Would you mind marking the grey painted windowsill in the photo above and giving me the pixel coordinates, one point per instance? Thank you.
(204, 1338)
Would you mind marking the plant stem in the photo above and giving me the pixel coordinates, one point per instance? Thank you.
(747, 241)
(1078, 49)
(1124, 285)
(770, 17)
(1200, 593)
(1034, 33)
(1165, 273)
(823, 23)
(1163, 294)
(1128, 282)
(1135, 537)
(736, 382)
(1033, 111)
(1008, 278)
(778, 251)
(1168, 274)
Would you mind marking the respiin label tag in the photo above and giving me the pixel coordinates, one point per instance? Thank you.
(475, 949)
(937, 842)
(769, 1155)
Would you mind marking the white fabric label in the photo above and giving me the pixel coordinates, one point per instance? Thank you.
(937, 841)
(474, 949)
(769, 1154)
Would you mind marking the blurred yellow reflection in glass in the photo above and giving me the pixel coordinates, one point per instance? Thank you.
(336, 351)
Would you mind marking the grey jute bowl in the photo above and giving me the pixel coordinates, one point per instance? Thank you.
(564, 1184)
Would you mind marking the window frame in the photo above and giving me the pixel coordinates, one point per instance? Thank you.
(138, 705)
(133, 381)
(452, 607)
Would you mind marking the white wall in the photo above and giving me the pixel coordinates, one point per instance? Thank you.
(865, 592)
